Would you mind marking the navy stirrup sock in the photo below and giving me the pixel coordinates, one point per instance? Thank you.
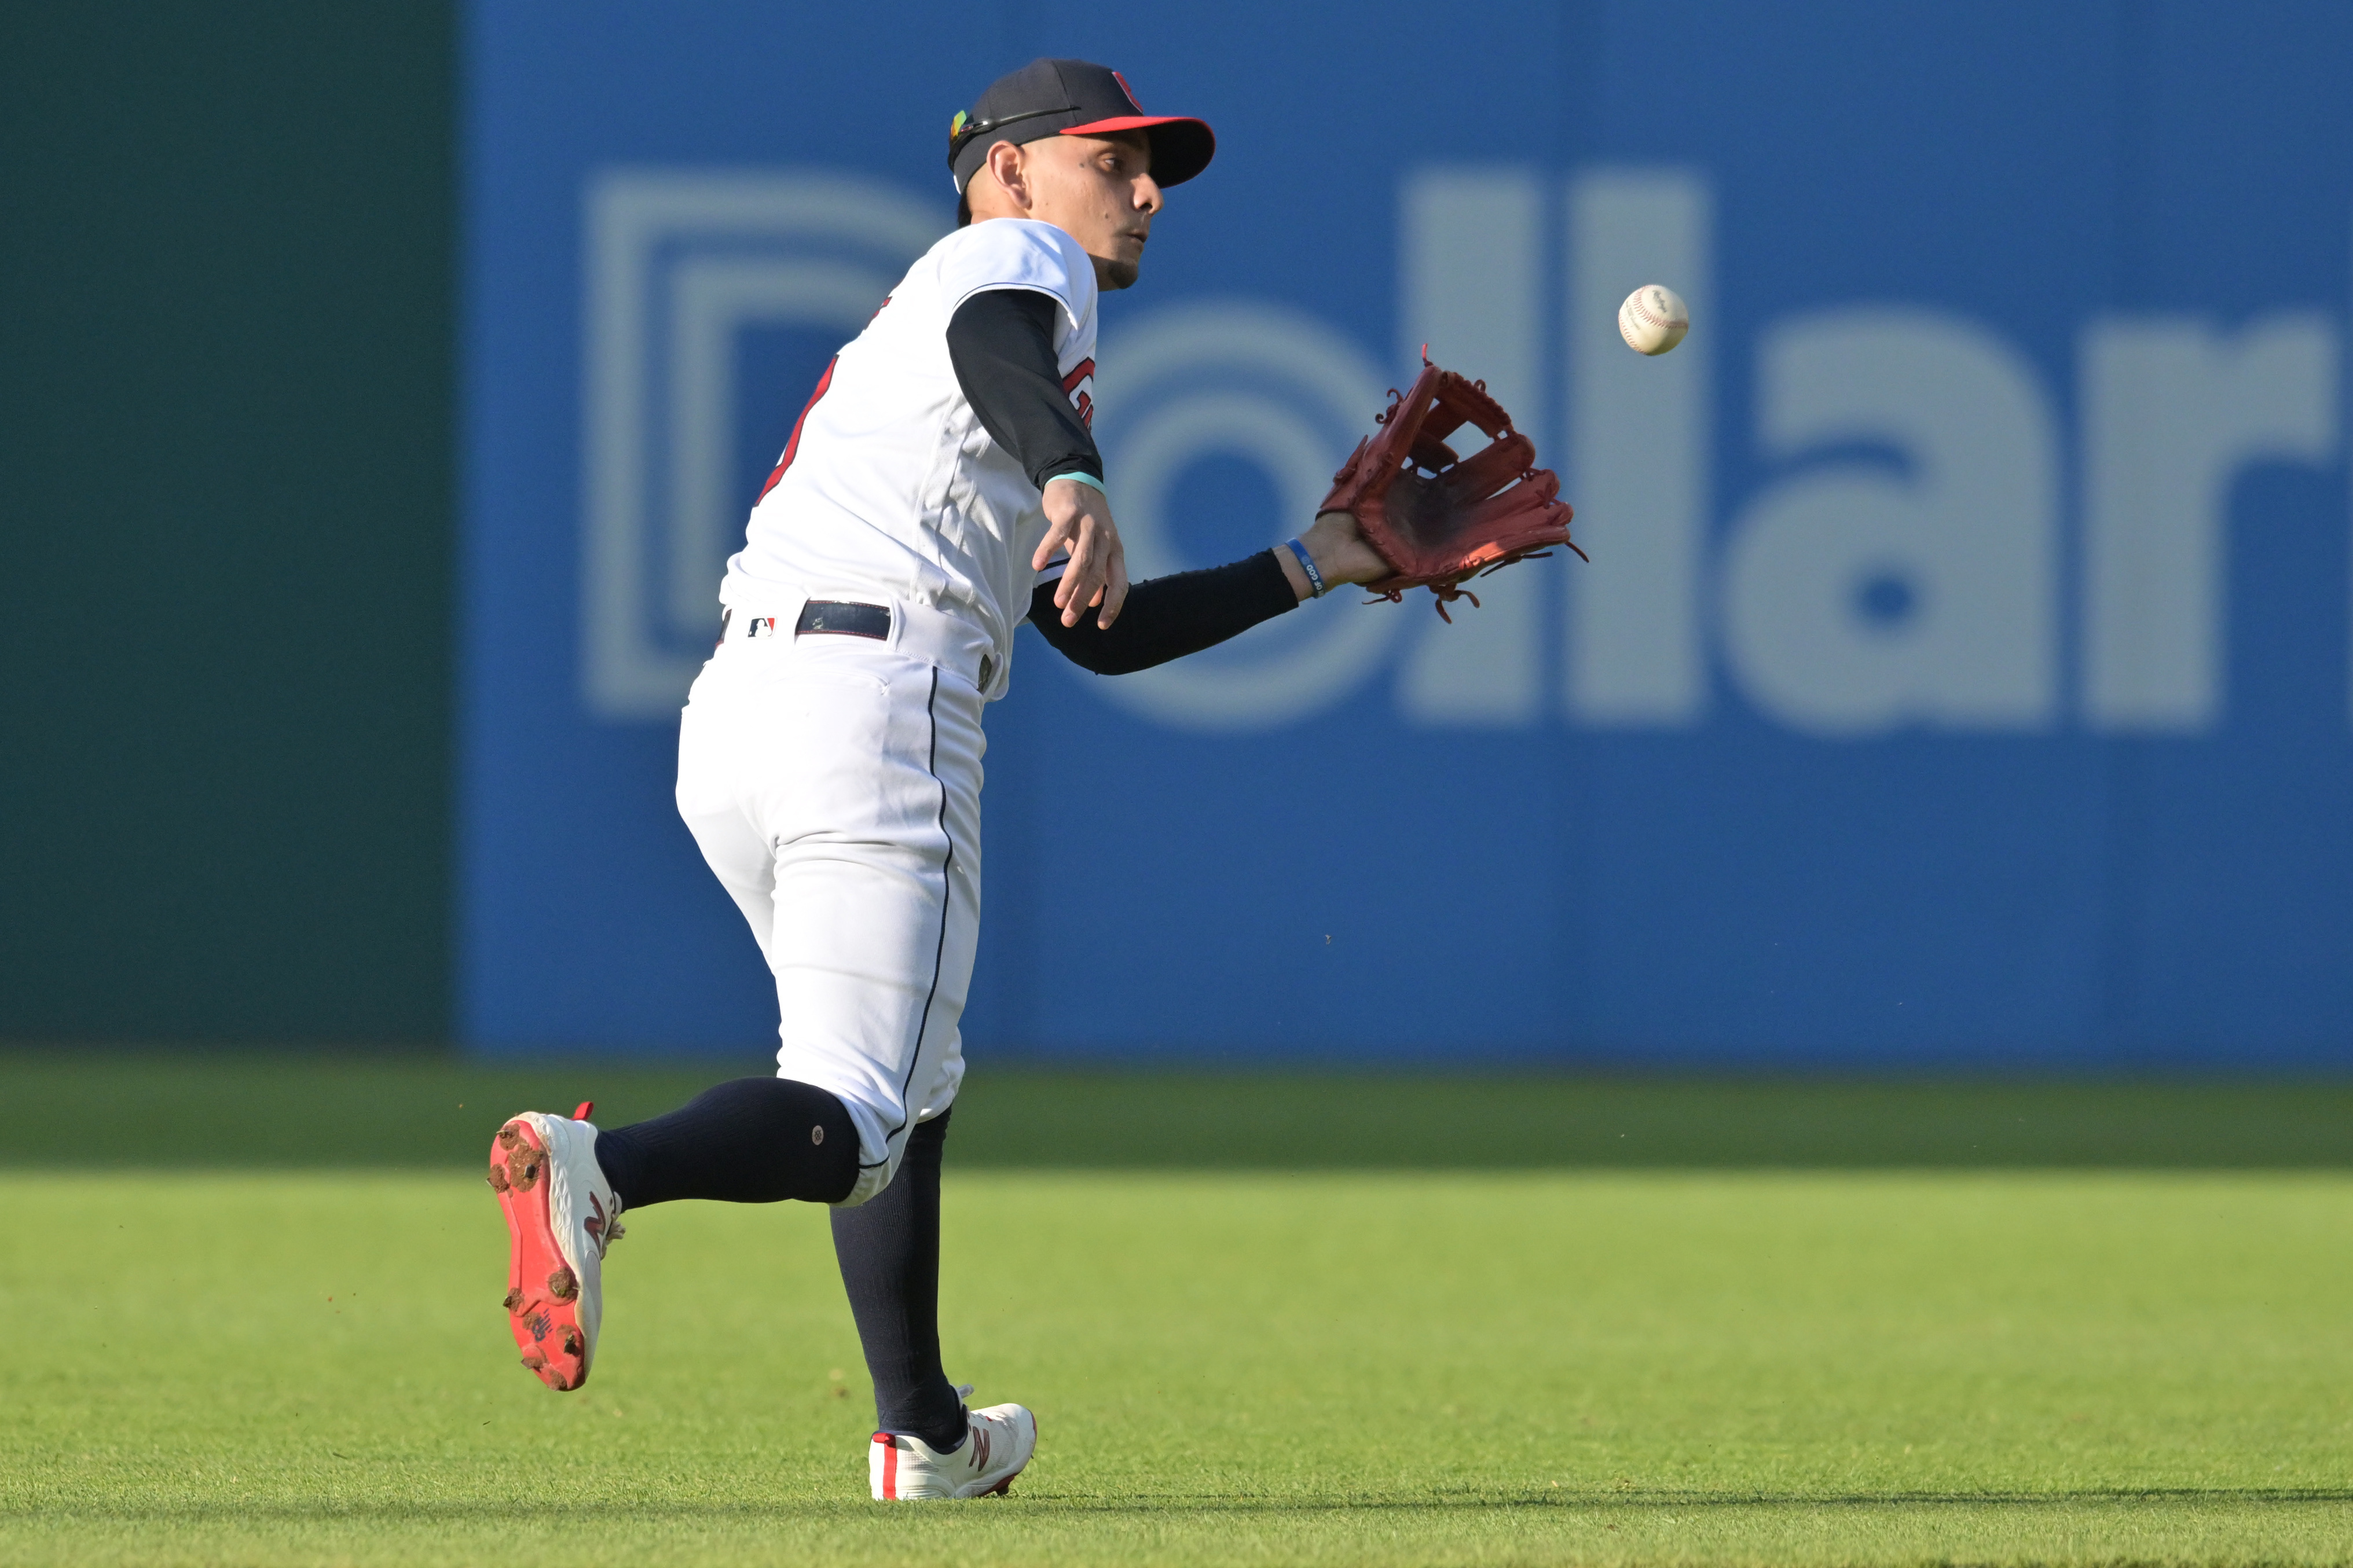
(752, 1141)
(889, 1248)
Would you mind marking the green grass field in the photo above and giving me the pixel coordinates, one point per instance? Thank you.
(1859, 1363)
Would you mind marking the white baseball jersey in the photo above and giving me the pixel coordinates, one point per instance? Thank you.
(889, 487)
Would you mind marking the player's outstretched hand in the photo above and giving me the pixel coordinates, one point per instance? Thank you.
(1078, 519)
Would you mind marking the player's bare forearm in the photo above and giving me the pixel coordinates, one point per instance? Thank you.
(1340, 553)
(1078, 520)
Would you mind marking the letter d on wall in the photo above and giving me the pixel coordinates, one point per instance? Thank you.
(1868, 595)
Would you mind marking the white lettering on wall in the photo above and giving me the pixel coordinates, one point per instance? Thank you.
(1900, 571)
(1858, 598)
(676, 263)
(1277, 389)
(1639, 453)
(2173, 409)
(1470, 265)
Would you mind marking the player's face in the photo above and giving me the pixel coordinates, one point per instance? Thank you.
(1098, 190)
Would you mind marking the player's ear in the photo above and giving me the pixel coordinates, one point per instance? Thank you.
(1009, 169)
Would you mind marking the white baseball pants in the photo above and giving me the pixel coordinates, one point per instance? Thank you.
(833, 784)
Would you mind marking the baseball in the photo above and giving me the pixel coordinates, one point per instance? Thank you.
(1654, 319)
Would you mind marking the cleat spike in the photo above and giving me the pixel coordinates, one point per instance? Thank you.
(563, 1285)
(497, 1178)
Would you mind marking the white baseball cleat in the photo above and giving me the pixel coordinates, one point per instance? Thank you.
(997, 1443)
(561, 1213)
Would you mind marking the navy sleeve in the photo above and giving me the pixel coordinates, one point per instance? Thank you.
(1001, 342)
(1169, 617)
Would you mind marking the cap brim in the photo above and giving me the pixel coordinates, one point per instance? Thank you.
(1181, 146)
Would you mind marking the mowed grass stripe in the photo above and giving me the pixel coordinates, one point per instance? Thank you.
(1398, 1367)
(97, 1109)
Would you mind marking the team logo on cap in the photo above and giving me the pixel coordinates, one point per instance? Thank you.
(1127, 90)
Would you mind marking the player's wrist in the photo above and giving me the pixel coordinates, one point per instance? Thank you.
(1300, 565)
(1340, 551)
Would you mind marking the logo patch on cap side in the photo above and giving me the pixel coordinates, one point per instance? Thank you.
(1127, 90)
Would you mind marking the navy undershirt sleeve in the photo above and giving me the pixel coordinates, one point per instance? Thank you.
(1001, 342)
(1169, 617)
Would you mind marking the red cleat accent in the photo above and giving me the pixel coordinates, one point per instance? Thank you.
(999, 1442)
(585, 1107)
(546, 1325)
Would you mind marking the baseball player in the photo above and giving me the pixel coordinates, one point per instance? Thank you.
(941, 488)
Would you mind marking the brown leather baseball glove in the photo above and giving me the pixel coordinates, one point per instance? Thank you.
(1439, 519)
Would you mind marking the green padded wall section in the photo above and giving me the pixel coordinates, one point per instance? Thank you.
(225, 520)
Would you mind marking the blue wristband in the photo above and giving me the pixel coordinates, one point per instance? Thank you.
(1085, 478)
(1307, 564)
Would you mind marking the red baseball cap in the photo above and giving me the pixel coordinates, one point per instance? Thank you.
(1073, 97)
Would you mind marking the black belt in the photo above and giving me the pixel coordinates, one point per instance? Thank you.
(842, 618)
(837, 618)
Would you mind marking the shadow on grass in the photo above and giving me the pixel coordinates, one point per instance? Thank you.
(101, 1108)
(577, 1511)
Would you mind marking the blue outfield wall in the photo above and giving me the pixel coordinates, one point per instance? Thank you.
(1961, 676)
